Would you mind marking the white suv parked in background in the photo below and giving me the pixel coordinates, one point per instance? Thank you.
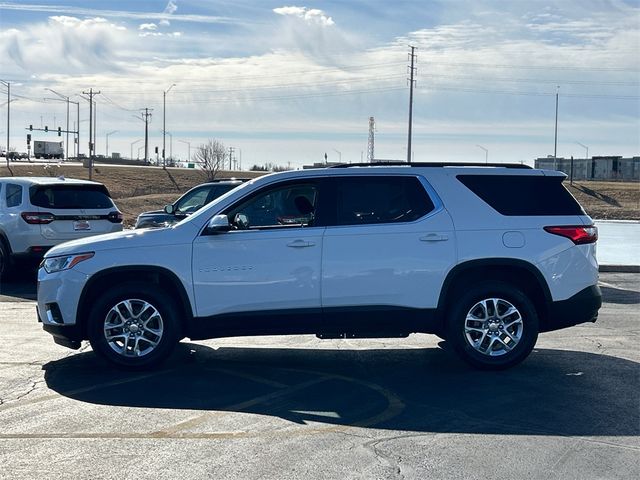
(484, 256)
(38, 213)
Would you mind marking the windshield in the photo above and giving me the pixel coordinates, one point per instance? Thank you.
(192, 201)
(210, 206)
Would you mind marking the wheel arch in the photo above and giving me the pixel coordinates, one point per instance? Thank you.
(517, 272)
(154, 275)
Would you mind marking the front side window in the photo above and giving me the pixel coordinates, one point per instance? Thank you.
(14, 195)
(287, 206)
(377, 199)
(192, 201)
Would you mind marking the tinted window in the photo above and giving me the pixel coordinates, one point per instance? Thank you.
(14, 195)
(70, 196)
(192, 201)
(523, 195)
(367, 200)
(292, 205)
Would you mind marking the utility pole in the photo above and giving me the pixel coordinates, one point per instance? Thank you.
(555, 138)
(8, 85)
(231, 149)
(91, 93)
(145, 118)
(164, 120)
(412, 70)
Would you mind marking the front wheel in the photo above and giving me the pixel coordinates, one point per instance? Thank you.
(493, 326)
(134, 326)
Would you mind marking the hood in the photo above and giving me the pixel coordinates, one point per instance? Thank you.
(144, 238)
(154, 212)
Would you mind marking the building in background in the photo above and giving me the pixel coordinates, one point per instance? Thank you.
(595, 168)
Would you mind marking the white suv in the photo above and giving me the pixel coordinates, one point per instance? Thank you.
(38, 213)
(486, 257)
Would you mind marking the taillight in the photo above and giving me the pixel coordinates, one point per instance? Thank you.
(579, 235)
(115, 217)
(37, 218)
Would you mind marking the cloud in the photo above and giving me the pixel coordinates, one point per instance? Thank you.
(148, 26)
(85, 11)
(312, 16)
(168, 10)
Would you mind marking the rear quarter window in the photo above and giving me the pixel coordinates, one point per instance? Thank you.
(13, 195)
(70, 197)
(519, 195)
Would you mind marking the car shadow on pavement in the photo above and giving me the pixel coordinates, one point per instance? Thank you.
(554, 392)
(620, 296)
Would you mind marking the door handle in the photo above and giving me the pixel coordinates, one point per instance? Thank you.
(434, 237)
(300, 244)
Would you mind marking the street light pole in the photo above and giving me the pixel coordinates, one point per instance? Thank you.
(339, 155)
(486, 153)
(189, 149)
(586, 155)
(164, 119)
(555, 138)
(8, 85)
(107, 142)
(66, 99)
(132, 144)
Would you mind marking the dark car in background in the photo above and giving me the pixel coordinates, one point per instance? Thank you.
(188, 203)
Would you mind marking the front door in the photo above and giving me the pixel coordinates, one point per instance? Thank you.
(264, 275)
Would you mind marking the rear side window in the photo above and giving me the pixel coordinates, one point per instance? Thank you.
(14, 195)
(375, 199)
(518, 195)
(70, 196)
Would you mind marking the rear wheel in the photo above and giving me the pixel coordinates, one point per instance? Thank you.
(134, 326)
(493, 326)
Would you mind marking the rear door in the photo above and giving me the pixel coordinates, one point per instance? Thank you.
(77, 210)
(384, 256)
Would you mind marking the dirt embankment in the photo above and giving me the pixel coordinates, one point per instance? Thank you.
(138, 189)
(608, 200)
(134, 189)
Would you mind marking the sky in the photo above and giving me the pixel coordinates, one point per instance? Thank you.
(286, 82)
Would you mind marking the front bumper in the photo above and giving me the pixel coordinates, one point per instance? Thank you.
(580, 308)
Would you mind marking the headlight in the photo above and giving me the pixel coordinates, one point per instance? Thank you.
(65, 262)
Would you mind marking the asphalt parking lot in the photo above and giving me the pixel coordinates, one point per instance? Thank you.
(299, 407)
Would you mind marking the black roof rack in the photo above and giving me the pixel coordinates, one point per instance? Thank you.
(432, 164)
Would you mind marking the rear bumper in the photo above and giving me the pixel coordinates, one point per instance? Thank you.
(580, 308)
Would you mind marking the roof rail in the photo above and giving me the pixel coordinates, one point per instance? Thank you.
(432, 164)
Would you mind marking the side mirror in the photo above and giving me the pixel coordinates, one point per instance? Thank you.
(218, 224)
(169, 209)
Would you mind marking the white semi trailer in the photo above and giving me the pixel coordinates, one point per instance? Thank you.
(43, 149)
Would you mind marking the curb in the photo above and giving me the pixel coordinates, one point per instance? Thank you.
(619, 268)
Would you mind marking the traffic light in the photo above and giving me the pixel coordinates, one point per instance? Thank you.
(59, 131)
(156, 150)
(28, 138)
(31, 128)
(46, 129)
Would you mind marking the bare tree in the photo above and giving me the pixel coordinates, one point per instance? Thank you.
(211, 157)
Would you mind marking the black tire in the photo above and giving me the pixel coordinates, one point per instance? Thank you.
(499, 352)
(5, 261)
(138, 294)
